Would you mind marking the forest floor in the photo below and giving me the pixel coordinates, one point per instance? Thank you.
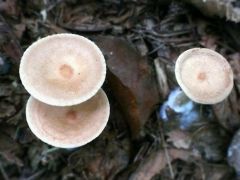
(154, 132)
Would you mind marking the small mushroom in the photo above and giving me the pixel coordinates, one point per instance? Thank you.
(204, 75)
(63, 69)
(70, 126)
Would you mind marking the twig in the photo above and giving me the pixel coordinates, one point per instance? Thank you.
(201, 169)
(50, 150)
(4, 174)
(161, 78)
(167, 154)
(37, 174)
(188, 44)
(49, 8)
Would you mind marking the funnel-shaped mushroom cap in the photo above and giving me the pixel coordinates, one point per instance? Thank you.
(204, 75)
(70, 126)
(63, 69)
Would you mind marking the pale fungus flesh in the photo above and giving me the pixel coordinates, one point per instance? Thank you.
(70, 126)
(63, 69)
(204, 75)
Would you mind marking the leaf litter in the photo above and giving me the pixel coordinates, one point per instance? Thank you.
(141, 41)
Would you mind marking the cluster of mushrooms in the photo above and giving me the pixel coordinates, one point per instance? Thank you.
(64, 74)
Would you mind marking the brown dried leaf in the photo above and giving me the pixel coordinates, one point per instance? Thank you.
(211, 142)
(9, 7)
(227, 112)
(179, 138)
(131, 79)
(235, 64)
(83, 19)
(100, 160)
(9, 45)
(209, 41)
(121, 19)
(157, 161)
(141, 47)
(7, 109)
(19, 30)
(216, 171)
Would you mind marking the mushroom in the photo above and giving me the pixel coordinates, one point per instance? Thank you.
(204, 75)
(70, 126)
(62, 69)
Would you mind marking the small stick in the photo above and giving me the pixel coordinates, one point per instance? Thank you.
(167, 154)
(4, 174)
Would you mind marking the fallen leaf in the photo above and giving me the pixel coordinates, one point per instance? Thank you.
(9, 7)
(227, 112)
(211, 142)
(179, 138)
(131, 79)
(157, 161)
(100, 160)
(9, 45)
(209, 41)
(19, 30)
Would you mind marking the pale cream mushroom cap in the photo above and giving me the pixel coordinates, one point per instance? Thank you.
(204, 75)
(63, 69)
(70, 126)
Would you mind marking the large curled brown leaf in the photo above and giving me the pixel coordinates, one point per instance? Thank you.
(131, 79)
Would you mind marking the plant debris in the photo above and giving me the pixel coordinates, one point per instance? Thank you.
(131, 80)
(154, 132)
